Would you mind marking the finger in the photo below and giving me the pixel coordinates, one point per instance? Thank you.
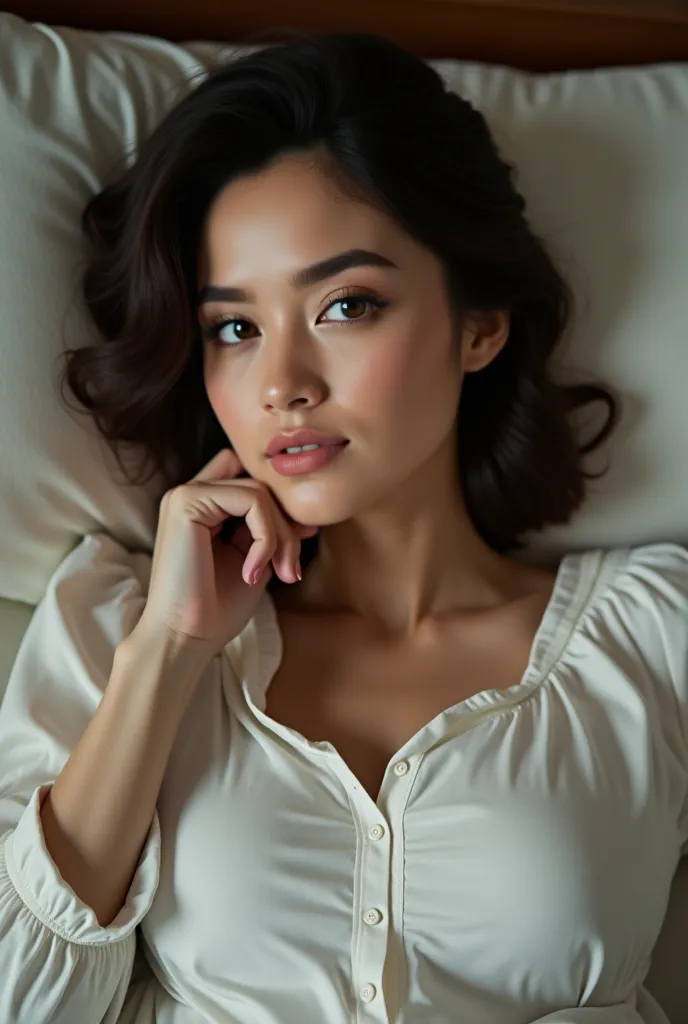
(285, 554)
(285, 545)
(274, 538)
(298, 530)
(261, 522)
(226, 463)
(286, 559)
(225, 568)
(257, 538)
(209, 503)
(305, 531)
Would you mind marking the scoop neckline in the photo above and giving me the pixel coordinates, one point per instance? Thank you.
(579, 577)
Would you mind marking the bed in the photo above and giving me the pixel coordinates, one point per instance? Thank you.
(589, 97)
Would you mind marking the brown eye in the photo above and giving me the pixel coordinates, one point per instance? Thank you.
(353, 307)
(231, 331)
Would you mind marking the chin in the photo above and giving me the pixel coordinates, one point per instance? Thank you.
(306, 504)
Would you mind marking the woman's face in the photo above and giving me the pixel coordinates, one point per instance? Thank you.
(365, 348)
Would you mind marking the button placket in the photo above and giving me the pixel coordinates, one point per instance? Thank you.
(379, 827)
(396, 787)
(381, 902)
(371, 894)
(394, 796)
(373, 920)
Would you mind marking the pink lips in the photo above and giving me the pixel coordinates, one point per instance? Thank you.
(297, 438)
(306, 462)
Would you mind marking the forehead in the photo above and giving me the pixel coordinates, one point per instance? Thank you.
(295, 209)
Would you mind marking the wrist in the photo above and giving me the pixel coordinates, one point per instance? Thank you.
(177, 657)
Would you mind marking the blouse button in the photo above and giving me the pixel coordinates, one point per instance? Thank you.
(372, 916)
(368, 993)
(376, 832)
(401, 768)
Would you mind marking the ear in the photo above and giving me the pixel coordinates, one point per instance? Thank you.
(484, 335)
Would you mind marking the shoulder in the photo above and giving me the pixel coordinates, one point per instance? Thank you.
(643, 604)
(99, 554)
(92, 601)
(655, 576)
(96, 594)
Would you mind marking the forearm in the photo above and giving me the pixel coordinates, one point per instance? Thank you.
(99, 811)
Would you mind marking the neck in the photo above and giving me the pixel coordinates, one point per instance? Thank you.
(413, 557)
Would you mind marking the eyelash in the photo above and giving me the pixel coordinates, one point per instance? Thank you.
(212, 331)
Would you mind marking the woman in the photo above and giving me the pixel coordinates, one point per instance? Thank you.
(338, 752)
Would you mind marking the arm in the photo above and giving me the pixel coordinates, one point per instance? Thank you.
(98, 813)
(66, 708)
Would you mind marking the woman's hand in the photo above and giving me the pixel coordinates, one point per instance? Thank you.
(200, 588)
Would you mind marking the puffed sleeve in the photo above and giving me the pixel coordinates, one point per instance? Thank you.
(656, 607)
(57, 964)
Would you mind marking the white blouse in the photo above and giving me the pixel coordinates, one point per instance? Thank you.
(515, 868)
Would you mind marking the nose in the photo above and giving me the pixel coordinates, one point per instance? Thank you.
(290, 375)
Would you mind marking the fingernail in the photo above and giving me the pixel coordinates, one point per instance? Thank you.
(255, 576)
(298, 569)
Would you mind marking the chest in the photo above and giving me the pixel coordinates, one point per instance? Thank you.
(504, 857)
(369, 698)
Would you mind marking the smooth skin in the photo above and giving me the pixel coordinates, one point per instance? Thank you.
(98, 813)
(396, 545)
(373, 353)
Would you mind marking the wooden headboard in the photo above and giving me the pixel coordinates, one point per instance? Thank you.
(538, 35)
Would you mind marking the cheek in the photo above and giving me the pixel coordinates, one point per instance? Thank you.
(411, 380)
(226, 403)
(217, 398)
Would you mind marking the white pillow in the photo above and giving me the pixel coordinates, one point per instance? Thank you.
(603, 161)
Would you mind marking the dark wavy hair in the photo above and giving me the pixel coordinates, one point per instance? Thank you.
(392, 130)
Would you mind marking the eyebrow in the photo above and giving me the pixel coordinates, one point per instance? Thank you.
(314, 274)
